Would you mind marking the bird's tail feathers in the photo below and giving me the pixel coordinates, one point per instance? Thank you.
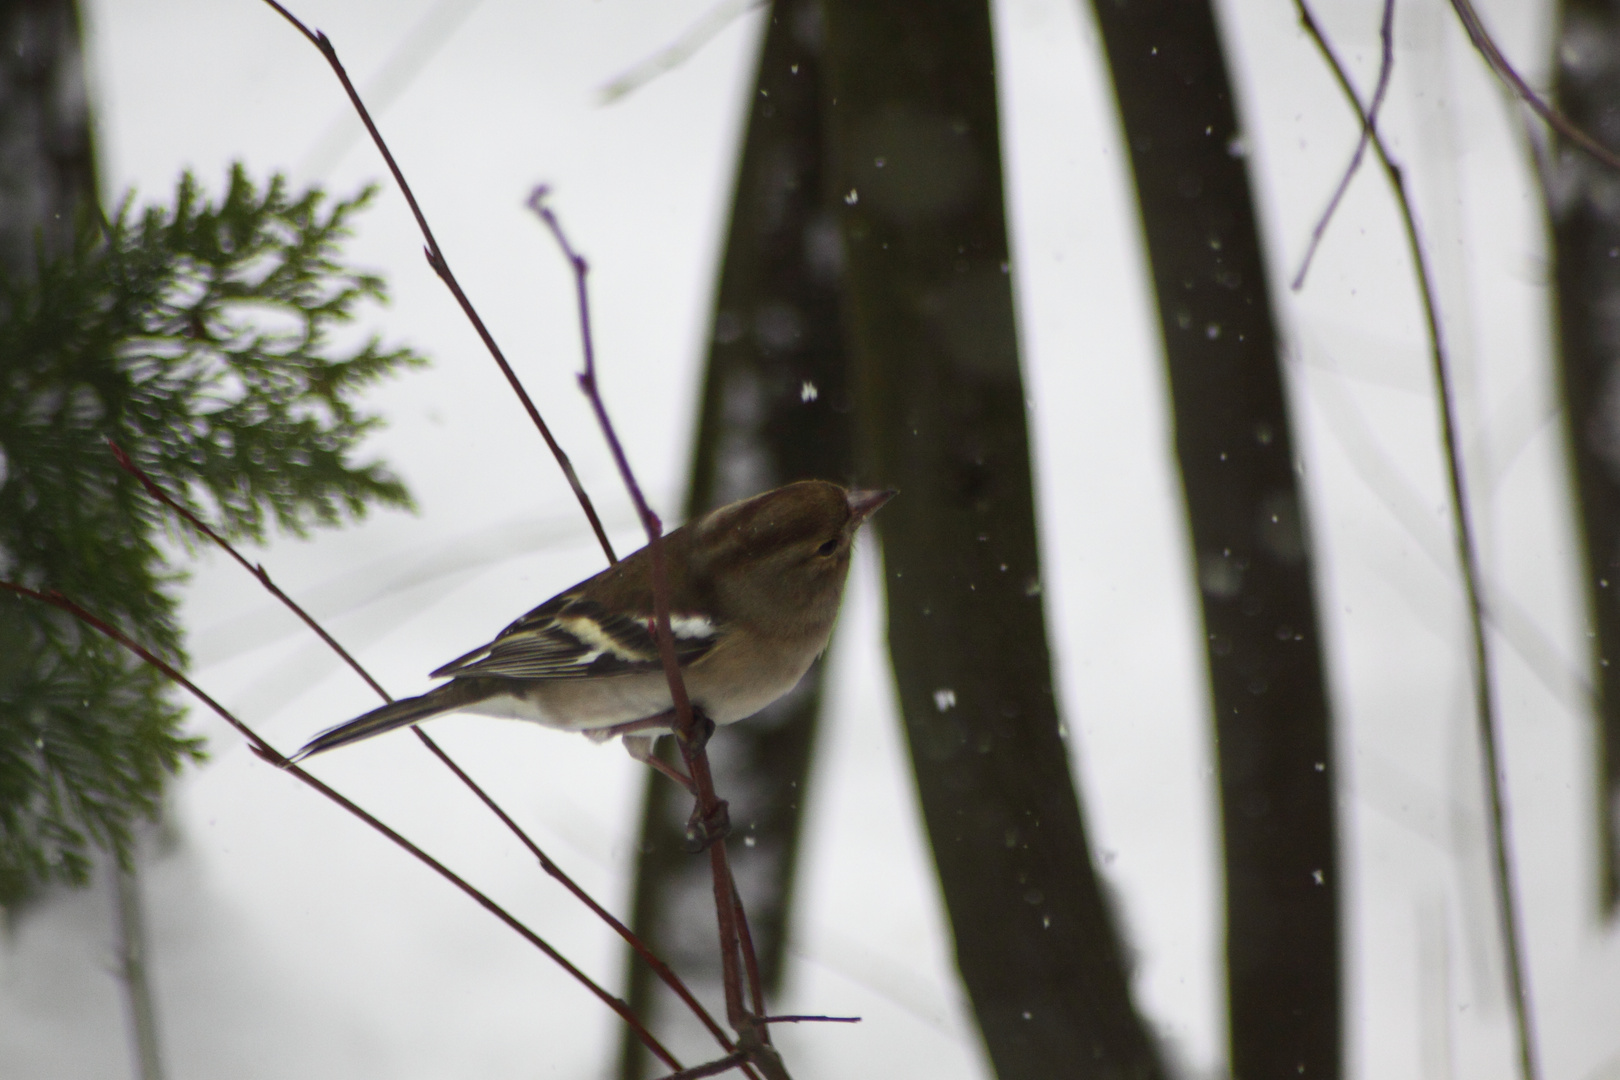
(442, 699)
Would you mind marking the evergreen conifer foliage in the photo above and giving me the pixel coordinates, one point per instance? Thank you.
(196, 336)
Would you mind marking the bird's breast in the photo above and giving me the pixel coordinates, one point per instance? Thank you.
(740, 676)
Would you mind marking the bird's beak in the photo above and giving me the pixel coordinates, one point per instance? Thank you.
(863, 504)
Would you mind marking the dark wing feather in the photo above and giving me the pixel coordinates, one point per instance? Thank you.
(569, 637)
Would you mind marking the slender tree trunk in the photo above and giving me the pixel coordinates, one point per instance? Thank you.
(775, 409)
(132, 968)
(941, 403)
(1584, 205)
(1234, 443)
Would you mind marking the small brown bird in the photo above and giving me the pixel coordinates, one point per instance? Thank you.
(754, 589)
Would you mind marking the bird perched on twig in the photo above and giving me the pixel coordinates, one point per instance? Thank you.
(754, 588)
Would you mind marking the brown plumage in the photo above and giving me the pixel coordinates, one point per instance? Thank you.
(754, 590)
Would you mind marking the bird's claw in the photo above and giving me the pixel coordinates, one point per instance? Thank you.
(702, 732)
(702, 830)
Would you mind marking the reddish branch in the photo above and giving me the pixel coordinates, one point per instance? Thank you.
(750, 960)
(441, 266)
(710, 808)
(709, 815)
(656, 963)
(659, 967)
(712, 1068)
(258, 571)
(268, 753)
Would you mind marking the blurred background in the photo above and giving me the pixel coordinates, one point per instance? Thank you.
(282, 938)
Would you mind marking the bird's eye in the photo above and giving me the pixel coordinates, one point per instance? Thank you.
(828, 548)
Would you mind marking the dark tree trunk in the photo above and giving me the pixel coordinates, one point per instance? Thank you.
(775, 409)
(1234, 443)
(47, 170)
(941, 404)
(1584, 203)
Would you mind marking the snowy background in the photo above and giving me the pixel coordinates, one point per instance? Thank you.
(287, 940)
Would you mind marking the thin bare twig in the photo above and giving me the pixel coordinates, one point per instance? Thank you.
(730, 937)
(441, 266)
(709, 806)
(650, 521)
(756, 985)
(258, 571)
(1505, 71)
(407, 60)
(265, 752)
(1468, 564)
(712, 1068)
(1386, 66)
(807, 1019)
(659, 967)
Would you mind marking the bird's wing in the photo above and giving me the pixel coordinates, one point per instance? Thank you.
(569, 637)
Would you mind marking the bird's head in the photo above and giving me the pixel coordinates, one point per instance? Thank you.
(778, 561)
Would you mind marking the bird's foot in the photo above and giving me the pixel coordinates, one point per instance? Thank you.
(702, 830)
(702, 731)
(641, 748)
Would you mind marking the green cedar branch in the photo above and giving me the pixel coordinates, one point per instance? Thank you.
(199, 333)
